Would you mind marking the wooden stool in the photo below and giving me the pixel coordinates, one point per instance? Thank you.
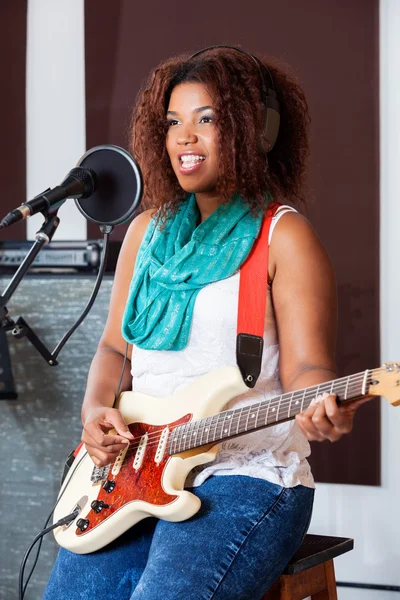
(311, 571)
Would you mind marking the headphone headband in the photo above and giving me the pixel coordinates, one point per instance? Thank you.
(260, 65)
(268, 93)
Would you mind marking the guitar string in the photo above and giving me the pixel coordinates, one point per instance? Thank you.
(154, 438)
(191, 426)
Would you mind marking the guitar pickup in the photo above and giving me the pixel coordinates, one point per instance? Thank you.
(162, 445)
(119, 460)
(140, 452)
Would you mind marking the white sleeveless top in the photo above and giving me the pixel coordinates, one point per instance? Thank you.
(277, 454)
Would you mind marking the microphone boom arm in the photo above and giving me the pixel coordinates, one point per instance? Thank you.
(20, 328)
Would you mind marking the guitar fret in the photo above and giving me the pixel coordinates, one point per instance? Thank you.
(277, 411)
(219, 426)
(258, 415)
(213, 427)
(318, 390)
(268, 407)
(194, 431)
(179, 429)
(231, 417)
(205, 429)
(209, 432)
(172, 442)
(346, 388)
(290, 405)
(296, 408)
(302, 401)
(239, 419)
(253, 416)
(243, 419)
(247, 420)
(223, 430)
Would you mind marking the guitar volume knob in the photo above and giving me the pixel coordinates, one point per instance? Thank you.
(82, 524)
(109, 485)
(98, 505)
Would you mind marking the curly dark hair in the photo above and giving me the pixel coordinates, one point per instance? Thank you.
(234, 80)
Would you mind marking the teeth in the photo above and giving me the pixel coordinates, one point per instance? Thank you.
(190, 160)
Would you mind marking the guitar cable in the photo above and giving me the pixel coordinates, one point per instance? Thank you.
(64, 520)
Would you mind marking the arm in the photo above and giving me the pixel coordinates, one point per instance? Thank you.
(305, 303)
(98, 416)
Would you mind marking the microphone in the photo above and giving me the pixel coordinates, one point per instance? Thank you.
(80, 183)
(106, 184)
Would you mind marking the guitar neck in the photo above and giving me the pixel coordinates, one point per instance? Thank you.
(231, 423)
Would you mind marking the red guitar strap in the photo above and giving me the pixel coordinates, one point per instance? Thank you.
(252, 303)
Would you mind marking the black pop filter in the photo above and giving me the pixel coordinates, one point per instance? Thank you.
(119, 185)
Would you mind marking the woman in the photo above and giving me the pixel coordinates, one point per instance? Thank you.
(199, 136)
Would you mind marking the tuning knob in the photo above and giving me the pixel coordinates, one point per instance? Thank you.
(82, 524)
(98, 505)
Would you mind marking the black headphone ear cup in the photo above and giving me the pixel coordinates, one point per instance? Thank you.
(270, 131)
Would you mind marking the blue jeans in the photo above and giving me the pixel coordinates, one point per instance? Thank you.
(234, 549)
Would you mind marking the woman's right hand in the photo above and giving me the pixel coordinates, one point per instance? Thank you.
(102, 447)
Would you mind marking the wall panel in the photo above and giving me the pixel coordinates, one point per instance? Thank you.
(12, 110)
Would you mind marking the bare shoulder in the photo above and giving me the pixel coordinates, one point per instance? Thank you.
(304, 297)
(295, 245)
(137, 228)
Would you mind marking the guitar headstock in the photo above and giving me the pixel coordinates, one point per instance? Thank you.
(385, 381)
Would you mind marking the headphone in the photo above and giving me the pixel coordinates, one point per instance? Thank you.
(268, 94)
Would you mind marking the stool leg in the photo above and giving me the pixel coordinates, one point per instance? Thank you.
(274, 593)
(329, 593)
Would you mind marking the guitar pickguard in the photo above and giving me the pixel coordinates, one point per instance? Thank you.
(131, 484)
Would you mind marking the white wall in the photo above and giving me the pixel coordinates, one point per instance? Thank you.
(55, 104)
(370, 515)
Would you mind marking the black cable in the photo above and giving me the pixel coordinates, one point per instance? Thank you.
(122, 374)
(63, 521)
(40, 536)
(90, 303)
(55, 354)
(37, 553)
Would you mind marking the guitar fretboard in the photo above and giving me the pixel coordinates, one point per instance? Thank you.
(231, 423)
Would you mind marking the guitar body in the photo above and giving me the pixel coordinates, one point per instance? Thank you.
(144, 481)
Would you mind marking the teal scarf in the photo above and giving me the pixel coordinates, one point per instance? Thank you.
(174, 264)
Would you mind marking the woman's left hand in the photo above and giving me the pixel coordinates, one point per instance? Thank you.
(324, 419)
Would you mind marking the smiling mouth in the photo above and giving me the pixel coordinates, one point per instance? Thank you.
(189, 161)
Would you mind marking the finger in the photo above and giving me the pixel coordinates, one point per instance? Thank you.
(308, 428)
(342, 420)
(95, 434)
(114, 418)
(104, 442)
(323, 424)
(100, 459)
(304, 420)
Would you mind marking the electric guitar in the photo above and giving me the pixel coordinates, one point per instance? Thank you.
(171, 436)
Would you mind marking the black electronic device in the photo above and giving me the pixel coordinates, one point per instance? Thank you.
(58, 256)
(268, 96)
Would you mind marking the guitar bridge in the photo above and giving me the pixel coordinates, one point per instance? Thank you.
(99, 474)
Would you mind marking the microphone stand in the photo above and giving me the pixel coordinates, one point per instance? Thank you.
(20, 327)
